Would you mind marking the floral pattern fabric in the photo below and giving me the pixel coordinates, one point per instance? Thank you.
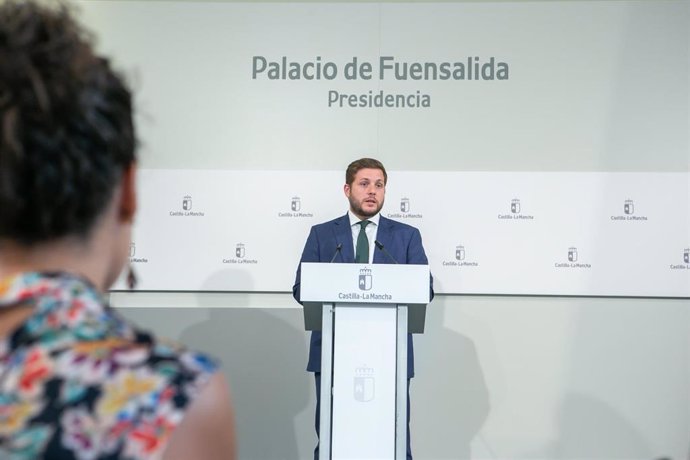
(77, 381)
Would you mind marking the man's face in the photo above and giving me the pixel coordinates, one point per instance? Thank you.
(367, 192)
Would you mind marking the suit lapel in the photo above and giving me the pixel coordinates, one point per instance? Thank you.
(343, 235)
(383, 235)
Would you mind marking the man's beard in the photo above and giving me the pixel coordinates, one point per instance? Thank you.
(357, 209)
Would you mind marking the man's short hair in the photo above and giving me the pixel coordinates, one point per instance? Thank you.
(364, 163)
(66, 130)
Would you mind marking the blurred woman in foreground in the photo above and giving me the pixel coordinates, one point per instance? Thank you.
(76, 379)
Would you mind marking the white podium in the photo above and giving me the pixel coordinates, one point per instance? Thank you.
(364, 312)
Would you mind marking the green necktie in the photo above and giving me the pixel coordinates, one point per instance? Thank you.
(362, 250)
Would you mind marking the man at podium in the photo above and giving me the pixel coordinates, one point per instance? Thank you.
(362, 235)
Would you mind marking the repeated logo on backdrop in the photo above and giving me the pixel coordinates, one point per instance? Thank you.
(573, 260)
(482, 207)
(629, 213)
(462, 259)
(405, 205)
(572, 254)
(515, 206)
(686, 261)
(516, 213)
(295, 210)
(405, 211)
(133, 257)
(186, 209)
(240, 256)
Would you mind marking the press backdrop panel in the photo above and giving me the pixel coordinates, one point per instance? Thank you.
(249, 113)
(603, 234)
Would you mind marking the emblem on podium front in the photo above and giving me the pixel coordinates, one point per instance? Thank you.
(364, 384)
(686, 256)
(365, 279)
(239, 251)
(460, 252)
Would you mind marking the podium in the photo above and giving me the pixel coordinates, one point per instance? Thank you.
(364, 312)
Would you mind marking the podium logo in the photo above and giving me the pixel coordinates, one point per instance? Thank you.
(629, 207)
(686, 256)
(239, 250)
(405, 205)
(365, 279)
(296, 204)
(364, 384)
(515, 206)
(460, 252)
(187, 203)
(132, 249)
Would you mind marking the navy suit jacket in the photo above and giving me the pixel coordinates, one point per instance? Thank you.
(403, 242)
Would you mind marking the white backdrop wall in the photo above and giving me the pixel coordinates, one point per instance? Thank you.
(594, 88)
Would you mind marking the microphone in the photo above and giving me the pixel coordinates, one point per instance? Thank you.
(337, 251)
(383, 249)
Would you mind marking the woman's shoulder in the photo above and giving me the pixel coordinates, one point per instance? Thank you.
(81, 378)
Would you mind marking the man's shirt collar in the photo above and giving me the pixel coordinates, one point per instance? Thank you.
(355, 220)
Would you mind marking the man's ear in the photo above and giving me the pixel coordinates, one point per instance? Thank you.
(128, 197)
(346, 189)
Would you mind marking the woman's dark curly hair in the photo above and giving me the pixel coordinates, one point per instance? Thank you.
(66, 130)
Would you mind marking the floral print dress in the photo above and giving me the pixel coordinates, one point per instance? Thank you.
(77, 381)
